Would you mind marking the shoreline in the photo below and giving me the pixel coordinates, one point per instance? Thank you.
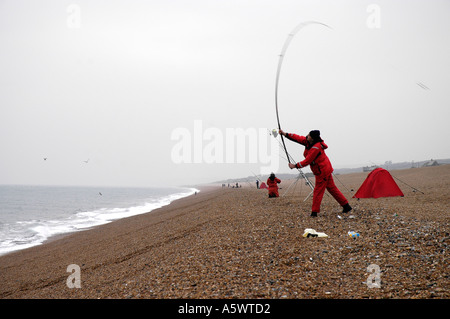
(237, 243)
(62, 235)
(58, 236)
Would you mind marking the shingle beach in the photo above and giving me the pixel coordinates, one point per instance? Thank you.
(237, 243)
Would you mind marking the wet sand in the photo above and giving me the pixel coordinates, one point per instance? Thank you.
(237, 243)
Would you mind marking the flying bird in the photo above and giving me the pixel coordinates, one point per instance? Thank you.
(423, 86)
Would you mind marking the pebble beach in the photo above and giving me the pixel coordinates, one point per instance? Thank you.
(237, 243)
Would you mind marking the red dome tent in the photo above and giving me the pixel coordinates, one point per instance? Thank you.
(263, 186)
(379, 183)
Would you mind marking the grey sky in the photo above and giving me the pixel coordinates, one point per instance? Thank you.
(110, 81)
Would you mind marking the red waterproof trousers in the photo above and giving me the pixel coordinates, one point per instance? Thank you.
(322, 184)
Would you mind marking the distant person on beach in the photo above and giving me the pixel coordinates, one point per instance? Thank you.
(320, 166)
(273, 182)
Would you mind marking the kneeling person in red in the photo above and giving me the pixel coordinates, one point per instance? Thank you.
(320, 166)
(272, 182)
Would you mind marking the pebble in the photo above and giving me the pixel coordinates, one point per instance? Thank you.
(236, 243)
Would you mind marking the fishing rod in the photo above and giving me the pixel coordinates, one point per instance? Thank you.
(286, 44)
(280, 62)
(256, 176)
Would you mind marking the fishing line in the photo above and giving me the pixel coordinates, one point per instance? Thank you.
(407, 184)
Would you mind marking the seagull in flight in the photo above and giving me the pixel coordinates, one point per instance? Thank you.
(86, 161)
(423, 86)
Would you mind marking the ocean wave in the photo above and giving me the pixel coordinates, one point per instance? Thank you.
(25, 234)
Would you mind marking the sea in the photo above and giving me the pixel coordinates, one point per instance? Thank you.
(29, 215)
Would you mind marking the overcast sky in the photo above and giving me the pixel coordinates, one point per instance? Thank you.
(111, 92)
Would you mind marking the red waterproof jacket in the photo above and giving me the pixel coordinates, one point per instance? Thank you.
(314, 156)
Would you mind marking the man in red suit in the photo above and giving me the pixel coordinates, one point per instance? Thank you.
(273, 182)
(320, 166)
